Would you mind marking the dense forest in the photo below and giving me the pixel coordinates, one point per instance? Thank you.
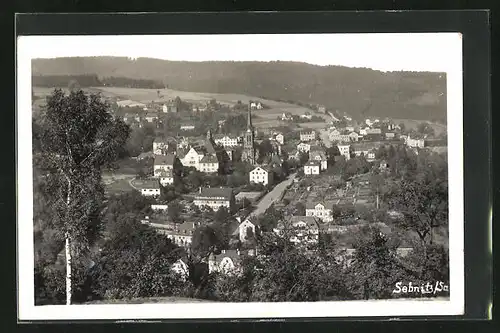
(360, 92)
(92, 80)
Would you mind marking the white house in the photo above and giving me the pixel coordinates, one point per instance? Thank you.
(226, 140)
(163, 163)
(208, 164)
(322, 210)
(304, 147)
(312, 168)
(215, 197)
(280, 138)
(415, 143)
(371, 156)
(308, 136)
(192, 158)
(166, 177)
(244, 228)
(306, 116)
(261, 175)
(150, 188)
(187, 127)
(345, 151)
(160, 146)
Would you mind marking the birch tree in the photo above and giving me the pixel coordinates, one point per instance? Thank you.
(78, 137)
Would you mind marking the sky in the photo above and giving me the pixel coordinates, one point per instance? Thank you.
(386, 52)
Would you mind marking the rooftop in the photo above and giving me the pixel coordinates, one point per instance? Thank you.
(312, 163)
(150, 184)
(209, 159)
(212, 192)
(168, 159)
(327, 203)
(310, 221)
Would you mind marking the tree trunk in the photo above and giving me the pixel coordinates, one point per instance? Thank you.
(68, 252)
(68, 271)
(377, 202)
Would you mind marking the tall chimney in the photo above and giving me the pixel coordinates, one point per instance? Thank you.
(199, 191)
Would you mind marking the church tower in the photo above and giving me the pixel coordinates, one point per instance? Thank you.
(209, 135)
(249, 154)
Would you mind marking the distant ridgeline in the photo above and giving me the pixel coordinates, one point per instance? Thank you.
(359, 92)
(92, 80)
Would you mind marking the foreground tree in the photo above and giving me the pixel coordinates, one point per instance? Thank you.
(78, 137)
(424, 206)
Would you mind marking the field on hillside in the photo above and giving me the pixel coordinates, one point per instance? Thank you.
(266, 118)
(410, 123)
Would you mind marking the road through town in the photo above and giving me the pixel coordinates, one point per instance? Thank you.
(272, 196)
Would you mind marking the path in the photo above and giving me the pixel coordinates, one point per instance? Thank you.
(272, 196)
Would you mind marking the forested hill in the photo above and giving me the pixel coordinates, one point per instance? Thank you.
(356, 91)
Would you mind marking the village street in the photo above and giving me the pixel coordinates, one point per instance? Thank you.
(272, 196)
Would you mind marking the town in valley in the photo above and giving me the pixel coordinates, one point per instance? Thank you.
(232, 198)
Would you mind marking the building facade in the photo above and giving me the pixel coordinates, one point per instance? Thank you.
(227, 141)
(150, 188)
(312, 168)
(261, 175)
(345, 151)
(215, 198)
(322, 211)
(308, 136)
(163, 163)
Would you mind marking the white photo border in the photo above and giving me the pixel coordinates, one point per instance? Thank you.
(27, 311)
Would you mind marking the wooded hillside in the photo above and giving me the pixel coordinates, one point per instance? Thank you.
(359, 92)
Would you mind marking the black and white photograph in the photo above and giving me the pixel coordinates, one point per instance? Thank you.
(240, 176)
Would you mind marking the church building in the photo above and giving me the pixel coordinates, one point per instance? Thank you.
(249, 153)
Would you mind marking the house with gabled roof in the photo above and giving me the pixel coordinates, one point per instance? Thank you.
(209, 164)
(261, 175)
(150, 188)
(312, 168)
(164, 162)
(322, 210)
(215, 197)
(192, 157)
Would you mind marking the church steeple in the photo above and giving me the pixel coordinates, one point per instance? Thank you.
(209, 134)
(249, 118)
